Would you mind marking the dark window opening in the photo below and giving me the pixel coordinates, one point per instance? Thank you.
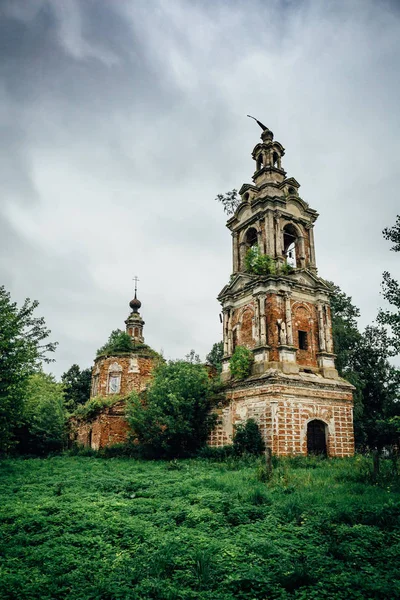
(260, 162)
(275, 158)
(251, 237)
(292, 190)
(303, 340)
(246, 197)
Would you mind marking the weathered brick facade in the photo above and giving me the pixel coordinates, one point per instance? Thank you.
(116, 375)
(283, 407)
(284, 317)
(109, 427)
(133, 371)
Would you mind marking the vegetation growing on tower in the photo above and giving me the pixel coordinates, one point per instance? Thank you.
(119, 342)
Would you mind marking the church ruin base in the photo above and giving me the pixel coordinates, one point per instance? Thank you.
(107, 428)
(297, 414)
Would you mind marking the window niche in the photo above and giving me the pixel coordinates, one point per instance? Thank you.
(303, 342)
(114, 383)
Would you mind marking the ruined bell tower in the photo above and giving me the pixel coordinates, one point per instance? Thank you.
(277, 306)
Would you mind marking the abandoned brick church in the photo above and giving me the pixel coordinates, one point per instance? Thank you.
(283, 316)
(294, 391)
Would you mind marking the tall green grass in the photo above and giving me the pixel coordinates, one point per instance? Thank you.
(88, 528)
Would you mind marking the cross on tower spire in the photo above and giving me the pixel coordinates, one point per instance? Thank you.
(136, 279)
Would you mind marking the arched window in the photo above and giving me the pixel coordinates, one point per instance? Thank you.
(275, 159)
(246, 197)
(114, 383)
(290, 245)
(251, 238)
(260, 162)
(136, 332)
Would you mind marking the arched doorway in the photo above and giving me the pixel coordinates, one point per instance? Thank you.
(316, 437)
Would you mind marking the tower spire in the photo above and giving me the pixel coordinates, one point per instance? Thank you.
(136, 279)
(134, 323)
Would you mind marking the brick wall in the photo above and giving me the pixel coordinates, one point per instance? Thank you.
(305, 318)
(109, 426)
(135, 372)
(283, 412)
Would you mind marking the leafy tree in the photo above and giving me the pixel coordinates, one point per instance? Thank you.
(215, 356)
(393, 235)
(119, 341)
(230, 201)
(379, 386)
(241, 362)
(174, 418)
(363, 359)
(23, 347)
(346, 335)
(391, 292)
(44, 416)
(76, 386)
(247, 439)
(192, 357)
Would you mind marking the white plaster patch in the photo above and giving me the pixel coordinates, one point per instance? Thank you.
(134, 365)
(114, 367)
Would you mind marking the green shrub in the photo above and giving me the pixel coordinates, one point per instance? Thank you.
(241, 362)
(122, 450)
(95, 405)
(215, 356)
(259, 264)
(43, 427)
(120, 342)
(217, 454)
(247, 439)
(286, 269)
(174, 419)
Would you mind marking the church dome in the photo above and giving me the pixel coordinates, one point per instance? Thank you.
(135, 304)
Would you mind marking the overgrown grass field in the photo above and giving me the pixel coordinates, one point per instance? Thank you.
(92, 528)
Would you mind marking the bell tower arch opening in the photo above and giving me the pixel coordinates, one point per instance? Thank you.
(317, 433)
(251, 238)
(291, 248)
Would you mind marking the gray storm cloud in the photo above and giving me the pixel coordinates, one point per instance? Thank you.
(121, 121)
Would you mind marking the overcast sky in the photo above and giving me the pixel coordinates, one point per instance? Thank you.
(123, 119)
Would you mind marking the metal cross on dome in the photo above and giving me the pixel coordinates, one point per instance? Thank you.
(136, 279)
